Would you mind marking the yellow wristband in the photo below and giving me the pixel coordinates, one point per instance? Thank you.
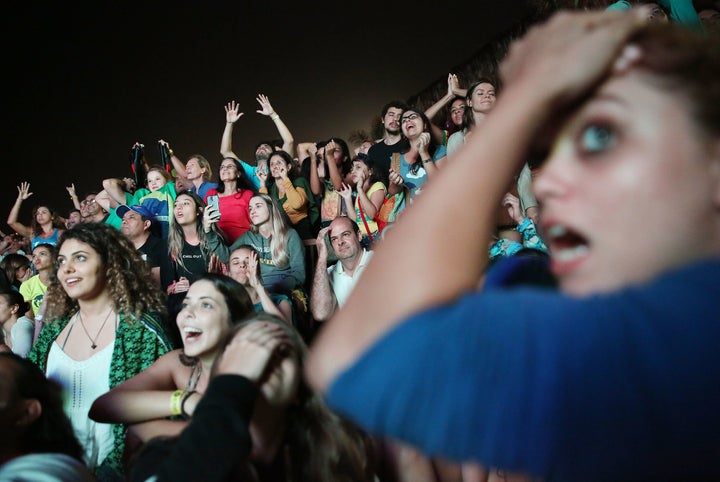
(176, 402)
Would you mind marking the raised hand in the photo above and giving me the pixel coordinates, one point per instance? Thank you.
(71, 190)
(251, 350)
(262, 174)
(512, 204)
(211, 215)
(422, 144)
(320, 243)
(252, 270)
(24, 191)
(453, 86)
(265, 107)
(346, 192)
(589, 42)
(232, 112)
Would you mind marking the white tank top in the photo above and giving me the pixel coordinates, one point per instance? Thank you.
(83, 382)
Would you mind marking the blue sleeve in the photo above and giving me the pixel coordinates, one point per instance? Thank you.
(540, 382)
(440, 152)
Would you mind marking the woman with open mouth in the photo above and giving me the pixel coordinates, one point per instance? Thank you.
(613, 376)
(160, 400)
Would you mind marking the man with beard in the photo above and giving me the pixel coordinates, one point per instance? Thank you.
(332, 285)
(381, 153)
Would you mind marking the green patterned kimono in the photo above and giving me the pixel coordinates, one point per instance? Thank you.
(137, 346)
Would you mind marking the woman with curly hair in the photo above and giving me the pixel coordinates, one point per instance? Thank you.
(46, 225)
(260, 421)
(102, 327)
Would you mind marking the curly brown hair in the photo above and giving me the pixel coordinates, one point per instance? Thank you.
(128, 277)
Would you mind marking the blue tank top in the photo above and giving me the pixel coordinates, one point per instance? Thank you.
(51, 240)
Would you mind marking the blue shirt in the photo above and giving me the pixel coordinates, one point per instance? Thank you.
(624, 385)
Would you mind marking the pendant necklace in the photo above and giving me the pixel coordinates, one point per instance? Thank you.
(82, 323)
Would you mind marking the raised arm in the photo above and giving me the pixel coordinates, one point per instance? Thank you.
(309, 150)
(174, 160)
(232, 114)
(322, 297)
(115, 188)
(23, 194)
(73, 196)
(335, 177)
(453, 91)
(570, 54)
(267, 110)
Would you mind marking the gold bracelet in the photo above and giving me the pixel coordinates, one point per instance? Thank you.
(176, 402)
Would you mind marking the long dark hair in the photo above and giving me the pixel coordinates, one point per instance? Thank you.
(52, 430)
(321, 445)
(242, 182)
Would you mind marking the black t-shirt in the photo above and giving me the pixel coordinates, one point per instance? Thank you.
(154, 251)
(381, 155)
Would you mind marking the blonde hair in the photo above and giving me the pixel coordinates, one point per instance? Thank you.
(279, 232)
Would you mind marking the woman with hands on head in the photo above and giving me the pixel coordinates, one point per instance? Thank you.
(635, 136)
(245, 269)
(46, 225)
(175, 382)
(259, 421)
(370, 193)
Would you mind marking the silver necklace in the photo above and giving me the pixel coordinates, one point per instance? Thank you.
(93, 340)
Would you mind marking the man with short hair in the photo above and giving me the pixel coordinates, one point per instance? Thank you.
(381, 152)
(137, 225)
(332, 285)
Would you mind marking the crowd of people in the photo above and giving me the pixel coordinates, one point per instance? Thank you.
(476, 300)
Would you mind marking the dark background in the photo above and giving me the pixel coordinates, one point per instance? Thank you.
(85, 81)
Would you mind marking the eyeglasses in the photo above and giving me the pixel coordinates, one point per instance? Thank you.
(85, 202)
(410, 117)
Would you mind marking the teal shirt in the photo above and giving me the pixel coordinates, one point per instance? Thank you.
(681, 11)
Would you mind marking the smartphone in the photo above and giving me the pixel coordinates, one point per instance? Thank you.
(213, 201)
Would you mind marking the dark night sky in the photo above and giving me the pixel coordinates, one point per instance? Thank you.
(88, 80)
